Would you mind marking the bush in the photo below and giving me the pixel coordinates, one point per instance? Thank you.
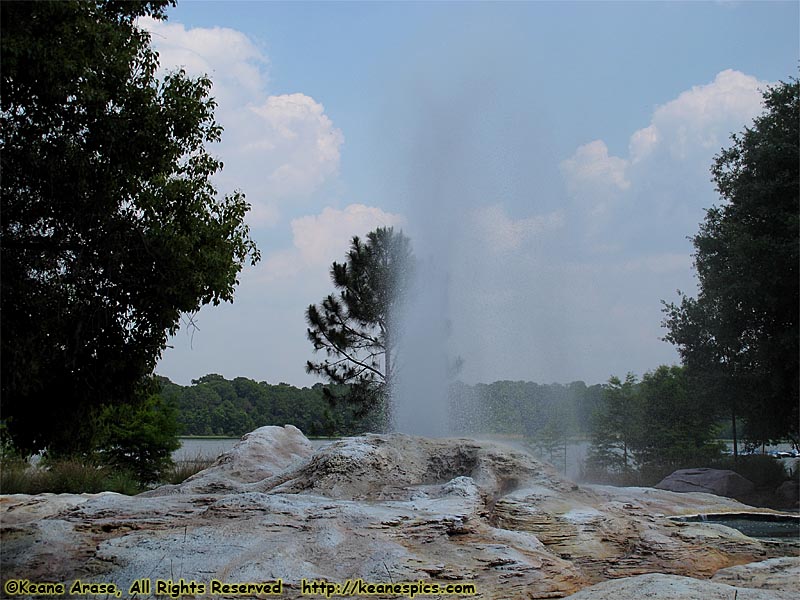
(140, 438)
(764, 471)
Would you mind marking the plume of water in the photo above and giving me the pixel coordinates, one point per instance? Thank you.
(469, 154)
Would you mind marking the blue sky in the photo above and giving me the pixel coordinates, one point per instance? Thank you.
(554, 156)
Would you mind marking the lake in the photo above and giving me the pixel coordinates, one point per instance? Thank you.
(203, 449)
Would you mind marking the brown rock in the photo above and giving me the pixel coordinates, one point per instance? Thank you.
(720, 482)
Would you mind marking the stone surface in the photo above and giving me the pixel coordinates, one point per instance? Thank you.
(788, 493)
(672, 587)
(379, 507)
(719, 482)
(260, 455)
(773, 574)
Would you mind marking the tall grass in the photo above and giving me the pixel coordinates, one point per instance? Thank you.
(17, 476)
(70, 476)
(183, 469)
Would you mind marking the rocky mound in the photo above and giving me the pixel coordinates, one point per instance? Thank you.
(381, 508)
(720, 482)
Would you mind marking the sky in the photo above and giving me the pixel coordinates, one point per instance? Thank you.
(550, 159)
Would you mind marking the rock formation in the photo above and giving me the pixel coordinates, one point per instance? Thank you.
(720, 482)
(670, 587)
(381, 508)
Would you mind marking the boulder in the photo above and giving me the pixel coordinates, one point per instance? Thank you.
(788, 493)
(720, 482)
(773, 574)
(672, 587)
(259, 455)
(381, 508)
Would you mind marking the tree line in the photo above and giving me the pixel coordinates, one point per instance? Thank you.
(213, 405)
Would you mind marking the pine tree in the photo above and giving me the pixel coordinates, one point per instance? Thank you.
(356, 327)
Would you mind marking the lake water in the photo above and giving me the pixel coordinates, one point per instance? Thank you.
(204, 449)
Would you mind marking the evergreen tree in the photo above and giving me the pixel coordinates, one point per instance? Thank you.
(614, 428)
(356, 327)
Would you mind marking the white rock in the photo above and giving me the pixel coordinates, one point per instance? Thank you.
(673, 587)
(379, 507)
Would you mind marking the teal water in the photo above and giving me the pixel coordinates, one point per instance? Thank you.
(755, 525)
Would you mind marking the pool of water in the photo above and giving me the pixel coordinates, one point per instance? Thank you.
(764, 526)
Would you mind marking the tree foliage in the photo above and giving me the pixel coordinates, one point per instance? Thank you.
(139, 437)
(111, 228)
(213, 405)
(644, 430)
(356, 327)
(739, 337)
(614, 428)
(542, 413)
(674, 430)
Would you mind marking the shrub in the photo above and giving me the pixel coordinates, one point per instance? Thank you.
(140, 438)
(764, 471)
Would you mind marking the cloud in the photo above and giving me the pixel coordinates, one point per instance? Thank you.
(318, 240)
(701, 119)
(276, 148)
(591, 164)
(672, 154)
(500, 233)
(297, 141)
(592, 173)
(235, 64)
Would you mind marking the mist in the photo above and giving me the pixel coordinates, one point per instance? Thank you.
(516, 277)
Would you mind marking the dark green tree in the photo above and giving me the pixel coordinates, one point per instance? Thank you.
(139, 437)
(356, 327)
(111, 228)
(675, 431)
(615, 428)
(739, 337)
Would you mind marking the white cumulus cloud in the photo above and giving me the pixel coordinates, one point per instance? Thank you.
(701, 119)
(297, 139)
(318, 240)
(670, 157)
(275, 148)
(592, 165)
(236, 65)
